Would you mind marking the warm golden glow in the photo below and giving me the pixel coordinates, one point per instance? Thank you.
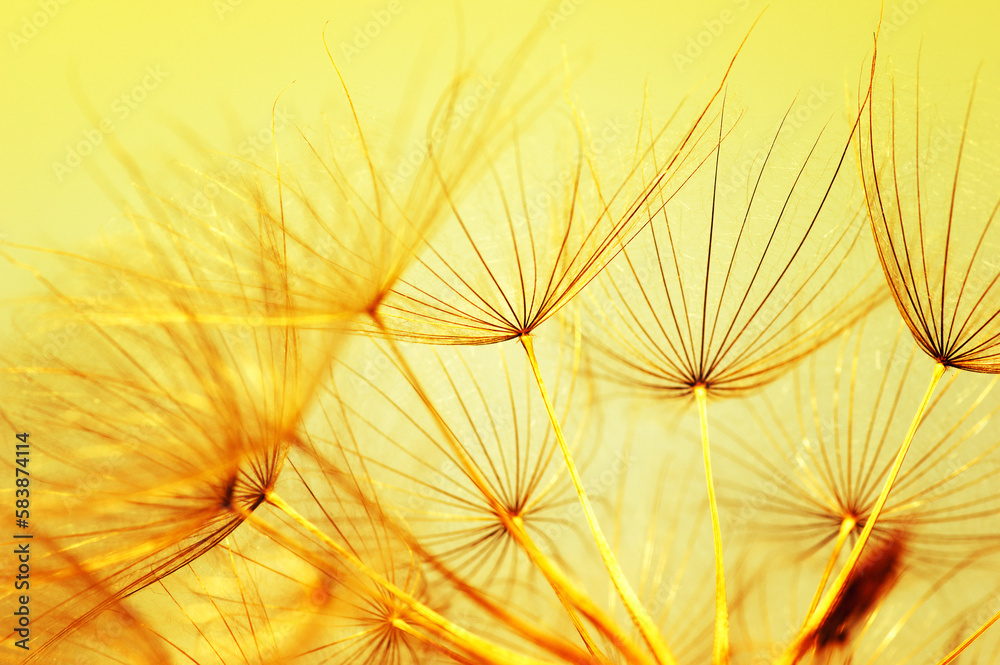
(500, 333)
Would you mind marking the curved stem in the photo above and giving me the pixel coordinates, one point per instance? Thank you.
(956, 652)
(720, 642)
(573, 599)
(846, 526)
(483, 650)
(404, 627)
(534, 633)
(640, 617)
(804, 639)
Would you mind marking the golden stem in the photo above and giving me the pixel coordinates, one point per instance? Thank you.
(640, 617)
(802, 641)
(402, 626)
(969, 640)
(571, 597)
(846, 526)
(486, 652)
(525, 628)
(720, 643)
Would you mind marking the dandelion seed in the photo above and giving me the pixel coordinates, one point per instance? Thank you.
(934, 228)
(929, 296)
(869, 582)
(713, 337)
(160, 437)
(943, 500)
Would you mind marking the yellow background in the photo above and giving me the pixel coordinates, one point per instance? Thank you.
(226, 61)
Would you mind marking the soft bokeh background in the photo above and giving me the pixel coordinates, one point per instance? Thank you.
(157, 76)
(216, 67)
